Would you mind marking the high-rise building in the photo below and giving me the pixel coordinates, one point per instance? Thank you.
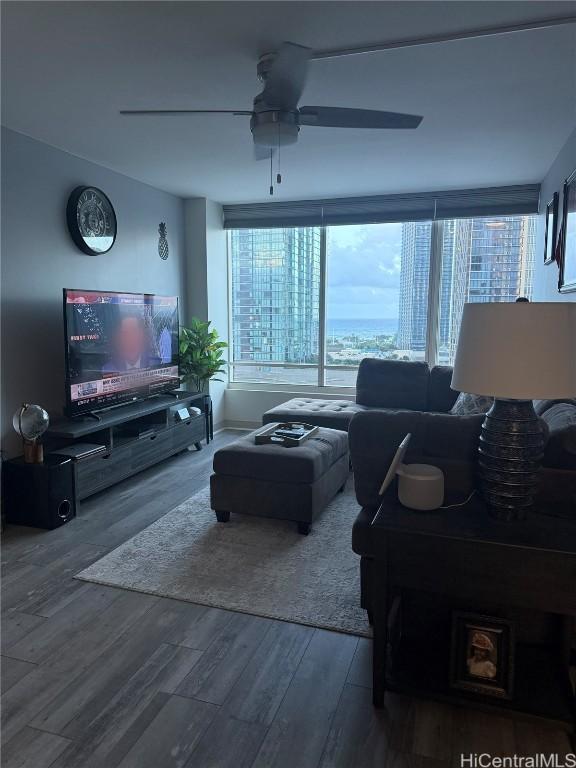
(276, 294)
(483, 259)
(414, 272)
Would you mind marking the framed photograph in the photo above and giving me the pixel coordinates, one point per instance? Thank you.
(551, 229)
(567, 276)
(482, 655)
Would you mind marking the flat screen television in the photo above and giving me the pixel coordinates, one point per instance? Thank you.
(119, 347)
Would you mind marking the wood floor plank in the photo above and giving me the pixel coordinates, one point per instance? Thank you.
(94, 638)
(135, 730)
(302, 723)
(358, 735)
(433, 725)
(261, 686)
(228, 743)
(361, 669)
(172, 736)
(94, 688)
(90, 601)
(45, 547)
(22, 703)
(202, 632)
(18, 583)
(400, 721)
(47, 589)
(12, 671)
(225, 659)
(478, 732)
(533, 739)
(160, 673)
(33, 749)
(16, 625)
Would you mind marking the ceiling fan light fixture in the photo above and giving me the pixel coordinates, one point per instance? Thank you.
(274, 128)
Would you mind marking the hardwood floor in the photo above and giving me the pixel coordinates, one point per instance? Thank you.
(98, 677)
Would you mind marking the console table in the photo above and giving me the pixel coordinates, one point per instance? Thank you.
(467, 561)
(134, 437)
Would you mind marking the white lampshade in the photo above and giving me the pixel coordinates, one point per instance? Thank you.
(521, 351)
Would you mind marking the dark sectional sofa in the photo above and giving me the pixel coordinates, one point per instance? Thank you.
(381, 384)
(397, 397)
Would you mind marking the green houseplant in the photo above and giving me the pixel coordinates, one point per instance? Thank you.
(200, 354)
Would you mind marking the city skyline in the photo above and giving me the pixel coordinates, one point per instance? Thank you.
(483, 259)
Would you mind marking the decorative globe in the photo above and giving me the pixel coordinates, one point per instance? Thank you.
(30, 421)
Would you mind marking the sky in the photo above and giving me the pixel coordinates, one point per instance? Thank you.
(363, 271)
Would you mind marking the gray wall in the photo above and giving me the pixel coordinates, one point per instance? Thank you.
(546, 276)
(39, 259)
(207, 260)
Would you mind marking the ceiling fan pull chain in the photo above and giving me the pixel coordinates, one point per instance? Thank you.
(271, 171)
(279, 174)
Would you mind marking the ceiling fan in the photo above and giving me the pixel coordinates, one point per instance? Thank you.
(276, 118)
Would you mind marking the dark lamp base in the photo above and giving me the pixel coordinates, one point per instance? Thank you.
(510, 452)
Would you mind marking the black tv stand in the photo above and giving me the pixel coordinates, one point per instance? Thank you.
(135, 436)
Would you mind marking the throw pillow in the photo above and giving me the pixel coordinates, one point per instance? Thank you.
(468, 404)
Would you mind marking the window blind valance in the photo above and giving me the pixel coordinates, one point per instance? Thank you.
(379, 209)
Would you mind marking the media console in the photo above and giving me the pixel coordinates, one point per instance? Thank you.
(128, 439)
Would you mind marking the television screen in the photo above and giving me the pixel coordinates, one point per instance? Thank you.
(119, 347)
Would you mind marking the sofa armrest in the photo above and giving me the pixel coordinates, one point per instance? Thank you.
(446, 441)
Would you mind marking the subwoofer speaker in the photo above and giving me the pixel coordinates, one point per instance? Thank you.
(39, 495)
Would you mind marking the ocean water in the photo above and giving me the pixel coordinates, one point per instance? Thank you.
(363, 328)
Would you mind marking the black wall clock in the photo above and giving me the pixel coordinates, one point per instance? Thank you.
(91, 220)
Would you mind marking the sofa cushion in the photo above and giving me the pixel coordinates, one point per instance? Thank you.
(560, 420)
(445, 441)
(468, 404)
(441, 397)
(392, 384)
(304, 464)
(541, 406)
(334, 414)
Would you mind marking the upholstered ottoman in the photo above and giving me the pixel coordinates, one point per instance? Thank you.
(278, 482)
(334, 414)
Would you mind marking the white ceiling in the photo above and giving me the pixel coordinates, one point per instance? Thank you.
(496, 110)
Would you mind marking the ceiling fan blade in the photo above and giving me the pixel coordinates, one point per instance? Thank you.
(286, 77)
(263, 153)
(184, 112)
(342, 117)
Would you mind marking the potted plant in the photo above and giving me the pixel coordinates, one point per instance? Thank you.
(200, 354)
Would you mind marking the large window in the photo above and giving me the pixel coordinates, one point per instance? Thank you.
(309, 303)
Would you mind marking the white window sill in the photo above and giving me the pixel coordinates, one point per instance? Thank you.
(297, 390)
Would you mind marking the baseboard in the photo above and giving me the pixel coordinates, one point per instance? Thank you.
(241, 425)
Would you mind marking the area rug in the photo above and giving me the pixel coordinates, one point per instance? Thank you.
(252, 565)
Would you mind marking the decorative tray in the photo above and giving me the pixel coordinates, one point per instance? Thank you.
(289, 434)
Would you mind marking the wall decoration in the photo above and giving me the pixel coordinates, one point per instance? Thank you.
(551, 229)
(482, 655)
(567, 264)
(91, 220)
(163, 249)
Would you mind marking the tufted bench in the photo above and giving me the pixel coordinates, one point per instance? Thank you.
(274, 481)
(334, 414)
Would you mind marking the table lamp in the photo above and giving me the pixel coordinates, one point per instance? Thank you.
(514, 352)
